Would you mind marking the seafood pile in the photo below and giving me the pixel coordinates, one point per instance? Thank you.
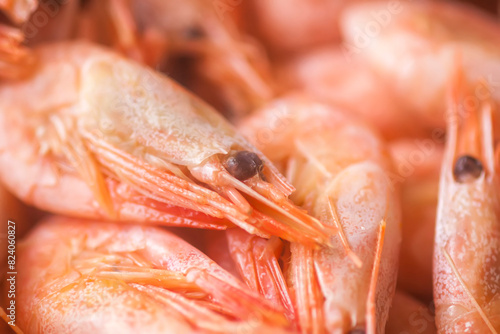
(228, 166)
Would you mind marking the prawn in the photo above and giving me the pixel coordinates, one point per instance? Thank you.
(103, 137)
(90, 276)
(340, 170)
(467, 239)
(433, 33)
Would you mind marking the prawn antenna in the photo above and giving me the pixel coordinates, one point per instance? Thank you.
(312, 159)
(357, 261)
(487, 131)
(298, 219)
(370, 302)
(497, 156)
(15, 328)
(462, 283)
(156, 277)
(292, 170)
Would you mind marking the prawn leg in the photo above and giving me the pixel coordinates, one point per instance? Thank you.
(256, 260)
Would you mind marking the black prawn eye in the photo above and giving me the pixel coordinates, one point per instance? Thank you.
(244, 164)
(467, 169)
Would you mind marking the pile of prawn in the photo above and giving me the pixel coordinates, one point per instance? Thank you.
(216, 166)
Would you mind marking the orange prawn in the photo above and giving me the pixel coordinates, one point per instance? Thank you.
(340, 169)
(88, 276)
(102, 136)
(467, 240)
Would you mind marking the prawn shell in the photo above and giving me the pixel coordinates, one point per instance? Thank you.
(135, 107)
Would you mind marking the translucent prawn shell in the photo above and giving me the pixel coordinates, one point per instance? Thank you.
(468, 230)
(144, 114)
